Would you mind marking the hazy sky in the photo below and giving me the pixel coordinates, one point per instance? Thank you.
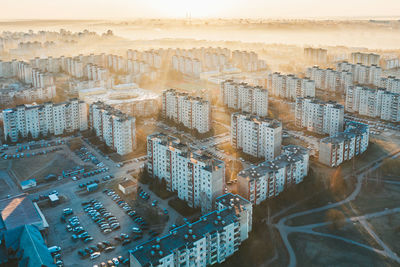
(121, 9)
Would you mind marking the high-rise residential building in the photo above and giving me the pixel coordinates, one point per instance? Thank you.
(367, 59)
(259, 137)
(391, 84)
(319, 116)
(270, 178)
(329, 79)
(343, 146)
(240, 96)
(113, 127)
(362, 74)
(316, 55)
(376, 103)
(49, 118)
(198, 179)
(192, 112)
(210, 240)
(289, 86)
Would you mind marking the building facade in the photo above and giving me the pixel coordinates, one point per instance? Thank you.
(192, 112)
(257, 136)
(241, 96)
(113, 127)
(270, 178)
(319, 116)
(290, 86)
(376, 103)
(41, 120)
(197, 179)
(210, 240)
(341, 147)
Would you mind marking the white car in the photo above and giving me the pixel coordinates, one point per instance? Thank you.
(94, 255)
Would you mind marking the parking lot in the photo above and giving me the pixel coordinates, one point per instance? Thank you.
(59, 236)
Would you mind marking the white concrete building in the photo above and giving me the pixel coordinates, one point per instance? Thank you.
(240, 96)
(343, 146)
(329, 79)
(65, 117)
(319, 116)
(362, 74)
(367, 59)
(197, 179)
(257, 136)
(192, 112)
(289, 86)
(391, 84)
(316, 55)
(113, 127)
(376, 103)
(270, 178)
(210, 240)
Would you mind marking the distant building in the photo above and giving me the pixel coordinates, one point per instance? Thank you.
(362, 74)
(198, 179)
(367, 59)
(210, 240)
(343, 146)
(192, 112)
(329, 79)
(270, 178)
(319, 116)
(376, 103)
(113, 127)
(290, 86)
(65, 117)
(246, 98)
(257, 136)
(316, 55)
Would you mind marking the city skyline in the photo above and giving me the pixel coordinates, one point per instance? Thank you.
(124, 9)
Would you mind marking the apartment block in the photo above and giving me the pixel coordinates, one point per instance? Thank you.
(319, 116)
(259, 137)
(289, 86)
(391, 84)
(367, 59)
(344, 146)
(270, 178)
(113, 127)
(376, 103)
(329, 79)
(65, 117)
(198, 179)
(316, 55)
(210, 240)
(246, 98)
(192, 112)
(362, 74)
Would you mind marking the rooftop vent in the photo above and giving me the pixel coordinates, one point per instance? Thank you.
(186, 236)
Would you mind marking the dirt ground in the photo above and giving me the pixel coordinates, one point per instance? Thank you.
(40, 166)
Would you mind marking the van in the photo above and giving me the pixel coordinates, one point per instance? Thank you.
(54, 249)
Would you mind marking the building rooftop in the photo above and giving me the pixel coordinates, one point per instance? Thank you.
(149, 253)
(290, 155)
(257, 119)
(17, 211)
